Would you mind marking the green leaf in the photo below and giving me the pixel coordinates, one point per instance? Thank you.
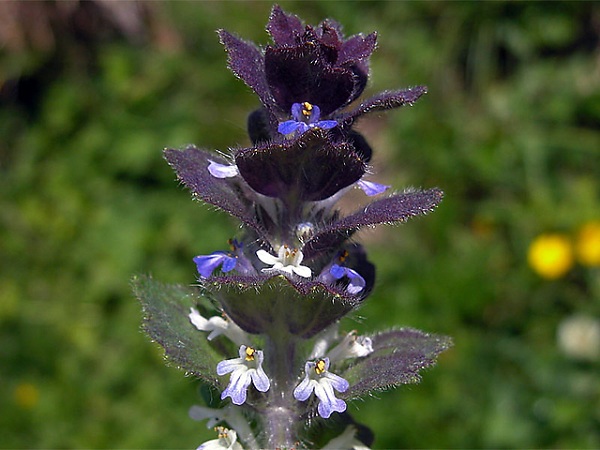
(166, 308)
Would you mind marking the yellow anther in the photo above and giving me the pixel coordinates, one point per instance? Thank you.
(221, 431)
(320, 367)
(250, 354)
(343, 256)
(307, 109)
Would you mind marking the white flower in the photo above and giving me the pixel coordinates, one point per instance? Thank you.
(346, 440)
(352, 346)
(230, 414)
(222, 170)
(287, 260)
(227, 440)
(217, 326)
(323, 342)
(244, 370)
(318, 379)
(579, 337)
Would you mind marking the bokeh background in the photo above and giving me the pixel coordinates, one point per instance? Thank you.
(508, 265)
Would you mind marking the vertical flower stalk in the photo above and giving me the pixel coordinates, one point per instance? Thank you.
(272, 346)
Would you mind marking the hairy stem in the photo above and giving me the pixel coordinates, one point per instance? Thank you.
(281, 417)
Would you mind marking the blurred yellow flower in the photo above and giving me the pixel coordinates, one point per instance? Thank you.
(551, 255)
(26, 395)
(587, 246)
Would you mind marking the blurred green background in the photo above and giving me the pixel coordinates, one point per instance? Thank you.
(91, 92)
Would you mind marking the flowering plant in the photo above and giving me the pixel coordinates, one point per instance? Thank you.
(293, 273)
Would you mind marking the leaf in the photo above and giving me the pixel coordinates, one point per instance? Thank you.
(397, 358)
(396, 208)
(166, 308)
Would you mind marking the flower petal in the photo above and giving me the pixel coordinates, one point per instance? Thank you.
(266, 257)
(237, 388)
(260, 379)
(304, 389)
(339, 383)
(222, 170)
(206, 264)
(229, 264)
(197, 319)
(328, 401)
(302, 271)
(288, 127)
(370, 188)
(326, 124)
(230, 365)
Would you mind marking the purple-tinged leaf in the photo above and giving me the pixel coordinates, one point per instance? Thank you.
(307, 168)
(397, 208)
(248, 63)
(303, 74)
(191, 167)
(284, 28)
(398, 357)
(273, 303)
(384, 101)
(357, 47)
(166, 309)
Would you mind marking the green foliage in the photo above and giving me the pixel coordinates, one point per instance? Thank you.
(509, 130)
(166, 309)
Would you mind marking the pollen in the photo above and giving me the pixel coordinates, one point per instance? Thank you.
(222, 432)
(320, 367)
(343, 256)
(250, 354)
(307, 109)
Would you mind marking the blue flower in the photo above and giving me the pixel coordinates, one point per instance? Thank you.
(322, 382)
(305, 116)
(371, 188)
(206, 264)
(357, 282)
(244, 370)
(228, 261)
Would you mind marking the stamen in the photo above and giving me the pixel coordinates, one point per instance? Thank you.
(250, 354)
(320, 367)
(307, 109)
